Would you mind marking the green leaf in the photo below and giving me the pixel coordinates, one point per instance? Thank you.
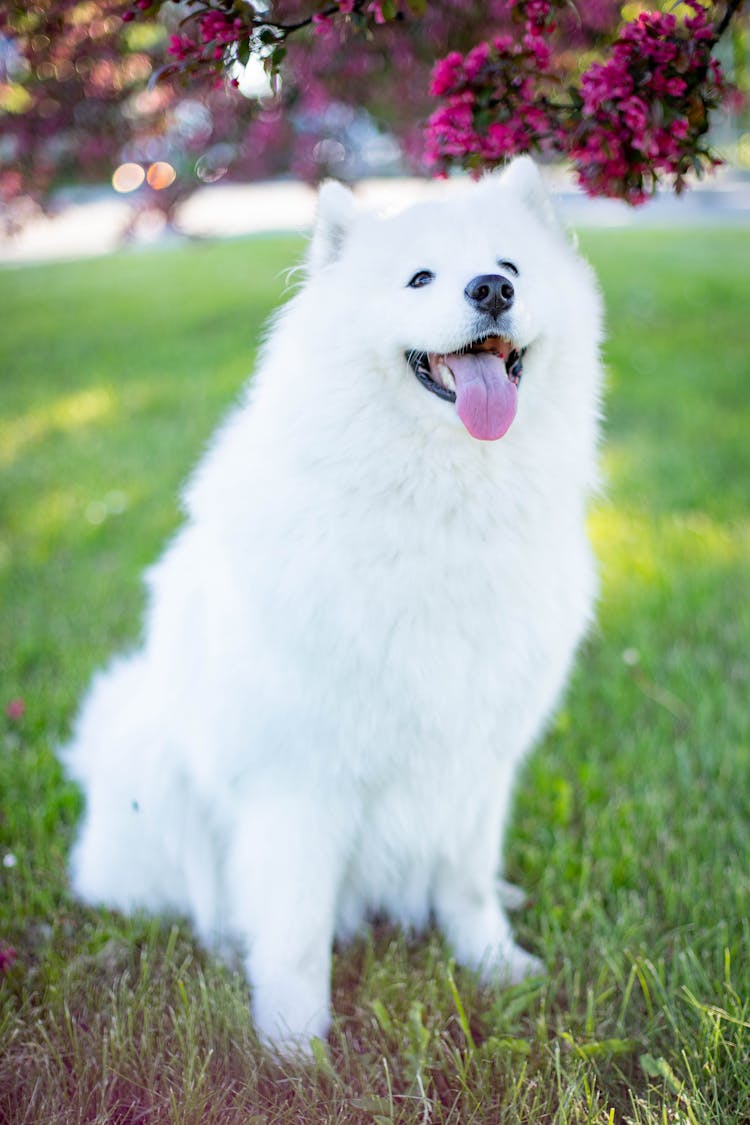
(504, 1046)
(606, 1048)
(660, 1068)
(371, 1103)
(322, 1061)
(461, 1011)
(381, 1015)
(278, 54)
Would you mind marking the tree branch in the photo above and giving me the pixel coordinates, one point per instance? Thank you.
(727, 18)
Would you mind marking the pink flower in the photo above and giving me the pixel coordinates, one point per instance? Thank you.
(376, 9)
(15, 709)
(676, 86)
(7, 957)
(538, 10)
(502, 44)
(634, 114)
(608, 81)
(476, 60)
(321, 24)
(181, 47)
(539, 48)
(499, 142)
(445, 74)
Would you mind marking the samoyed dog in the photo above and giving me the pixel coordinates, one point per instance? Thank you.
(371, 610)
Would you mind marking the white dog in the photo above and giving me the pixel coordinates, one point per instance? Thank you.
(372, 608)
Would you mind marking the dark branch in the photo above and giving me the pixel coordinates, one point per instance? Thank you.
(727, 18)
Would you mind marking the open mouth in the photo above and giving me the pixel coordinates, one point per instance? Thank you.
(482, 380)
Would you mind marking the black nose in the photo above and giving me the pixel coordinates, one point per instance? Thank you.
(490, 293)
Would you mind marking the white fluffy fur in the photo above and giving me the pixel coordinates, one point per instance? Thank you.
(366, 619)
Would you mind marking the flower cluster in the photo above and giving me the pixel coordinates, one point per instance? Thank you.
(637, 116)
(216, 37)
(497, 97)
(78, 97)
(645, 110)
(216, 31)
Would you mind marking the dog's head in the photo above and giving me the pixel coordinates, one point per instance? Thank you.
(452, 303)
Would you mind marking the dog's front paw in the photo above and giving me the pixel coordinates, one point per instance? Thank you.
(481, 937)
(511, 897)
(292, 1048)
(289, 1044)
(288, 1015)
(509, 964)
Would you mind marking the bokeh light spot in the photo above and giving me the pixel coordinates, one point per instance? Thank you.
(160, 175)
(128, 177)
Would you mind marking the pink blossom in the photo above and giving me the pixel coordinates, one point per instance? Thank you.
(499, 142)
(675, 86)
(605, 82)
(7, 957)
(375, 8)
(321, 24)
(181, 47)
(539, 48)
(634, 113)
(502, 44)
(15, 709)
(475, 61)
(536, 118)
(446, 73)
(216, 27)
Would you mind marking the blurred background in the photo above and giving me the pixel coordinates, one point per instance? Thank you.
(102, 146)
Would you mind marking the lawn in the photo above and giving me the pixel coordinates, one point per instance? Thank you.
(632, 825)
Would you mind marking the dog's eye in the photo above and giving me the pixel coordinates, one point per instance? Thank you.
(423, 277)
(511, 267)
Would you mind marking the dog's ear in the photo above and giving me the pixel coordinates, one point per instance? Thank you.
(523, 178)
(332, 222)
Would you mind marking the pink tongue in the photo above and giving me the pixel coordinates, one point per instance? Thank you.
(486, 400)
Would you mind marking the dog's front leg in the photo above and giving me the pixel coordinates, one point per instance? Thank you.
(283, 879)
(467, 899)
(478, 931)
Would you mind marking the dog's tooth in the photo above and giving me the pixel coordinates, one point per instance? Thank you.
(446, 376)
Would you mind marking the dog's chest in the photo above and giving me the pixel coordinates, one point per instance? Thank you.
(440, 620)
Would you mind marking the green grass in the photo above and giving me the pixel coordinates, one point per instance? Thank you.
(632, 825)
